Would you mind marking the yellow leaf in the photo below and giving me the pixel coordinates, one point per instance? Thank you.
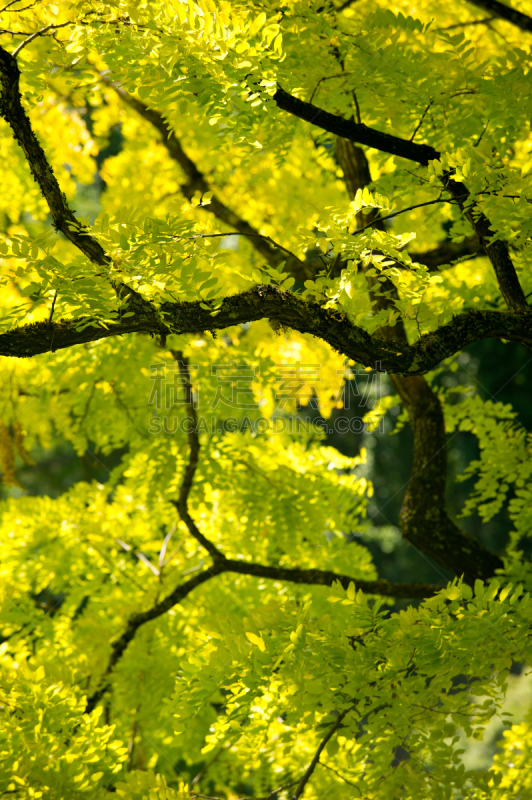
(254, 639)
(453, 593)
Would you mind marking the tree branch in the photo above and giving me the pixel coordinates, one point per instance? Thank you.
(403, 211)
(269, 302)
(198, 183)
(318, 577)
(496, 250)
(314, 763)
(15, 10)
(311, 577)
(505, 12)
(135, 622)
(222, 564)
(12, 111)
(424, 519)
(40, 32)
(447, 252)
(181, 503)
(359, 133)
(273, 252)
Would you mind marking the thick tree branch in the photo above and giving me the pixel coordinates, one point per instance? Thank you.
(424, 519)
(269, 302)
(12, 111)
(505, 12)
(318, 577)
(359, 133)
(220, 562)
(274, 253)
(497, 250)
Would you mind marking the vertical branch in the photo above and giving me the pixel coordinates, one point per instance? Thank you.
(190, 470)
(355, 167)
(13, 112)
(424, 519)
(496, 249)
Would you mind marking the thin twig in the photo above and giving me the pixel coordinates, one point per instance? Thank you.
(327, 78)
(483, 21)
(484, 129)
(314, 763)
(145, 560)
(52, 309)
(15, 10)
(346, 5)
(264, 797)
(420, 123)
(342, 777)
(40, 32)
(209, 764)
(357, 108)
(239, 233)
(164, 545)
(404, 210)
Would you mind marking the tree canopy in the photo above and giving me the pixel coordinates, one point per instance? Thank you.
(222, 224)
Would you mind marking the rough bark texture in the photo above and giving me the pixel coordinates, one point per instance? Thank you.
(12, 111)
(423, 509)
(497, 251)
(198, 182)
(424, 520)
(291, 311)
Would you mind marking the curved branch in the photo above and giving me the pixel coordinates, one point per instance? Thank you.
(12, 111)
(496, 250)
(269, 302)
(40, 32)
(181, 503)
(135, 622)
(505, 12)
(424, 519)
(198, 183)
(314, 577)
